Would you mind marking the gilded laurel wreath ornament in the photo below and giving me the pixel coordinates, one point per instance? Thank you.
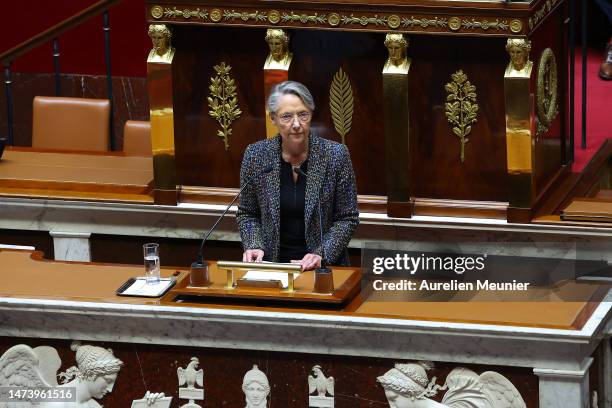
(341, 103)
(223, 102)
(546, 91)
(461, 107)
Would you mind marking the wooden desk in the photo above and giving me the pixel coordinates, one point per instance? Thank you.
(45, 279)
(89, 176)
(51, 303)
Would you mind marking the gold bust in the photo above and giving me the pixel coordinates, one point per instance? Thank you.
(162, 51)
(397, 63)
(279, 57)
(518, 49)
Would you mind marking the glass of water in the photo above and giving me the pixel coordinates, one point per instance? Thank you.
(151, 262)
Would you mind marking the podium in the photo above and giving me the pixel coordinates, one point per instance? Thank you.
(347, 286)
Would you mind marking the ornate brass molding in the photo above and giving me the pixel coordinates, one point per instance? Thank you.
(223, 102)
(516, 26)
(157, 12)
(186, 13)
(303, 18)
(461, 107)
(539, 14)
(424, 22)
(348, 20)
(244, 16)
(341, 103)
(274, 16)
(546, 91)
(485, 24)
(364, 20)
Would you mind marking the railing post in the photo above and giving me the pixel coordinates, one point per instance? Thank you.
(56, 63)
(9, 102)
(584, 75)
(572, 69)
(109, 78)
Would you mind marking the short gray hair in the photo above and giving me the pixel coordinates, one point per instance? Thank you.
(290, 88)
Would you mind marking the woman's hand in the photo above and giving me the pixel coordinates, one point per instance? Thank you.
(309, 261)
(253, 255)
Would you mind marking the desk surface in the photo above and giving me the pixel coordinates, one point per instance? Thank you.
(26, 275)
(81, 175)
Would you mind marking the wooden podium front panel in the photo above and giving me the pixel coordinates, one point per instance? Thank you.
(346, 285)
(445, 37)
(201, 158)
(317, 56)
(435, 150)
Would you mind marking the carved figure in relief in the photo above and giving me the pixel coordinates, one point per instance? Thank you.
(162, 50)
(518, 49)
(397, 63)
(317, 382)
(191, 376)
(408, 386)
(94, 374)
(92, 377)
(279, 57)
(256, 388)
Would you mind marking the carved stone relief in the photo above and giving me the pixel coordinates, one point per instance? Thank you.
(191, 376)
(93, 376)
(256, 388)
(408, 386)
(321, 389)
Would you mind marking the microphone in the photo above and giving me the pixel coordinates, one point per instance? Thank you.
(323, 268)
(199, 263)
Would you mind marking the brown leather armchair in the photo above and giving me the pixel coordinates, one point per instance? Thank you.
(137, 138)
(71, 123)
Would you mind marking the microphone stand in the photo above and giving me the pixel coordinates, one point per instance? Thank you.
(324, 279)
(199, 269)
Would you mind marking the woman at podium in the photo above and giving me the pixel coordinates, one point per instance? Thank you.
(285, 178)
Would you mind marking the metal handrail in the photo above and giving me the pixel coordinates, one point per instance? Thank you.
(55, 31)
(52, 34)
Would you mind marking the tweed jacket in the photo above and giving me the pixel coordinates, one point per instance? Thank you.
(330, 177)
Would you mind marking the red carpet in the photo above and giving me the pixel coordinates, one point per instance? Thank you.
(599, 109)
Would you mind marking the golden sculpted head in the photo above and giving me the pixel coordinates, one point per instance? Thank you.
(160, 36)
(278, 41)
(518, 49)
(398, 62)
(396, 45)
(279, 57)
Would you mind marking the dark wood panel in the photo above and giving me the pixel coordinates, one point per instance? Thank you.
(361, 56)
(548, 147)
(41, 240)
(437, 169)
(201, 158)
(128, 249)
(173, 251)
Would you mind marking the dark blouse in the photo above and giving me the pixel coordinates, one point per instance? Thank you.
(292, 226)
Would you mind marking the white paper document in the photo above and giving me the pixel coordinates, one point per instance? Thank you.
(283, 277)
(141, 288)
